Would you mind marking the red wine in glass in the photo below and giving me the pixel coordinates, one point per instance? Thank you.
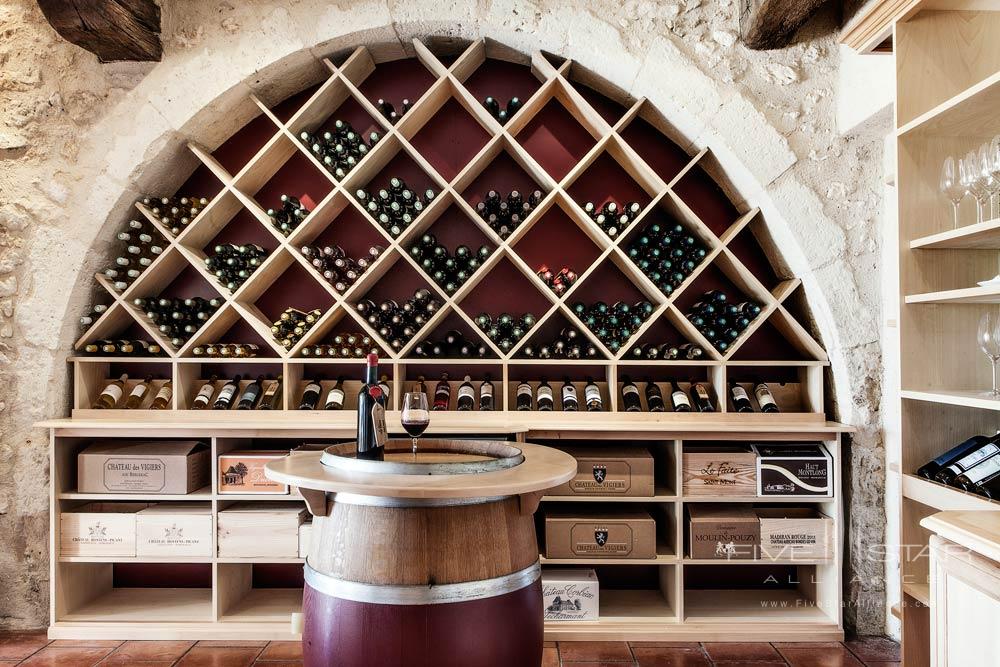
(415, 416)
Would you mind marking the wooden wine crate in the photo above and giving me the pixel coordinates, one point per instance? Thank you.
(260, 529)
(723, 532)
(100, 529)
(305, 535)
(795, 532)
(243, 472)
(619, 534)
(174, 529)
(719, 470)
(609, 471)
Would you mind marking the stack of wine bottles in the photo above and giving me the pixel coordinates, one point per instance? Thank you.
(492, 105)
(389, 110)
(123, 348)
(344, 346)
(398, 324)
(178, 319)
(698, 399)
(92, 314)
(559, 281)
(336, 267)
(541, 397)
(233, 264)
(504, 215)
(175, 213)
(396, 207)
(226, 350)
(113, 395)
(973, 466)
(466, 394)
(667, 351)
(612, 217)
(447, 270)
(719, 321)
(667, 254)
(505, 330)
(569, 344)
(614, 325)
(141, 245)
(454, 345)
(341, 149)
(289, 216)
(292, 325)
(259, 394)
(313, 396)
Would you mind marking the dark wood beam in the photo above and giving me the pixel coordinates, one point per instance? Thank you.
(111, 29)
(771, 24)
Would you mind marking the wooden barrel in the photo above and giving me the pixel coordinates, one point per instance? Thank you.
(424, 582)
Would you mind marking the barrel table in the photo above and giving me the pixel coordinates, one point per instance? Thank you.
(426, 559)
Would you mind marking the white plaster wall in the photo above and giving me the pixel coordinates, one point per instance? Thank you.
(80, 142)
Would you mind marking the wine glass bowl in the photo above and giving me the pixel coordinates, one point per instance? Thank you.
(952, 185)
(415, 416)
(988, 338)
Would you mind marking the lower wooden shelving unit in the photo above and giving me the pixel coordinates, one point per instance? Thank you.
(668, 597)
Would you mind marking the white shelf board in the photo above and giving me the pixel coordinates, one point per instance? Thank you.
(153, 605)
(966, 295)
(750, 606)
(981, 236)
(942, 497)
(962, 398)
(265, 605)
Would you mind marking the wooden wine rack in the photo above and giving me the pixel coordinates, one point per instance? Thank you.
(576, 138)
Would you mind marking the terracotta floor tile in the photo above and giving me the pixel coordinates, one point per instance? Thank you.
(19, 645)
(112, 661)
(670, 657)
(806, 644)
(549, 645)
(138, 651)
(201, 656)
(883, 664)
(740, 651)
(751, 663)
(664, 644)
(51, 656)
(826, 657)
(280, 663)
(281, 651)
(874, 648)
(594, 652)
(241, 643)
(93, 643)
(550, 657)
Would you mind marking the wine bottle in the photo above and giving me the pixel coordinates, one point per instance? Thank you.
(112, 393)
(929, 469)
(372, 432)
(271, 400)
(442, 393)
(979, 475)
(310, 396)
(420, 387)
(592, 394)
(701, 397)
(204, 395)
(654, 397)
(251, 394)
(383, 384)
(764, 398)
(162, 399)
(486, 390)
(335, 397)
(630, 395)
(138, 394)
(741, 401)
(570, 402)
(523, 396)
(466, 395)
(678, 398)
(948, 474)
(225, 398)
(544, 399)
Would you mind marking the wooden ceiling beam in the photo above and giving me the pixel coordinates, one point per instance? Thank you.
(110, 29)
(771, 24)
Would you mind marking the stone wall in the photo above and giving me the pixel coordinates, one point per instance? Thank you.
(79, 141)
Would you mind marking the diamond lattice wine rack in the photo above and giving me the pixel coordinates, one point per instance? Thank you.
(572, 140)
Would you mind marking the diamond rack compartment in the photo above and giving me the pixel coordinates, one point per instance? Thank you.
(491, 70)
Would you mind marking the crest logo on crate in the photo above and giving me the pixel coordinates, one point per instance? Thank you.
(97, 531)
(235, 475)
(173, 533)
(601, 536)
(600, 473)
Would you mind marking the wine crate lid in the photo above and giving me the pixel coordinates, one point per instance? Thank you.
(792, 451)
(108, 507)
(569, 574)
(249, 507)
(601, 452)
(789, 513)
(591, 515)
(723, 448)
(178, 508)
(144, 447)
(709, 512)
(256, 454)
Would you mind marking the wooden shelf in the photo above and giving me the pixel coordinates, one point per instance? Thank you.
(968, 398)
(136, 559)
(980, 236)
(663, 556)
(265, 605)
(919, 592)
(968, 113)
(750, 606)
(943, 497)
(662, 496)
(988, 294)
(149, 605)
(204, 493)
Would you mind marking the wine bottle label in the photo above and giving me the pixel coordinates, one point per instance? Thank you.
(227, 392)
(524, 390)
(336, 396)
(545, 392)
(164, 393)
(702, 392)
(138, 391)
(984, 470)
(680, 398)
(630, 389)
(972, 459)
(740, 393)
(466, 392)
(206, 391)
(569, 392)
(486, 390)
(592, 393)
(114, 392)
(312, 387)
(378, 425)
(764, 396)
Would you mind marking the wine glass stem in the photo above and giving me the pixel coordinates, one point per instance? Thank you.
(994, 389)
(954, 210)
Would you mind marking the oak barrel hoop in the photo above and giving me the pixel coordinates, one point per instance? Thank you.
(446, 578)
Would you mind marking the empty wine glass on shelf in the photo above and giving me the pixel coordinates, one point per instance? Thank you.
(415, 417)
(951, 185)
(989, 342)
(993, 156)
(972, 179)
(988, 184)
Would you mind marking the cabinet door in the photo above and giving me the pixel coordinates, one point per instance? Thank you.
(965, 606)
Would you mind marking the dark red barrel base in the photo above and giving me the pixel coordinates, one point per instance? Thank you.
(502, 631)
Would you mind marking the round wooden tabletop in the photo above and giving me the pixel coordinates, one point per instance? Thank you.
(541, 469)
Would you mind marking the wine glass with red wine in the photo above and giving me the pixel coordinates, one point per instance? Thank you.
(416, 417)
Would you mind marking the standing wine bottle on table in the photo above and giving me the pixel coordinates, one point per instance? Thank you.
(372, 432)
